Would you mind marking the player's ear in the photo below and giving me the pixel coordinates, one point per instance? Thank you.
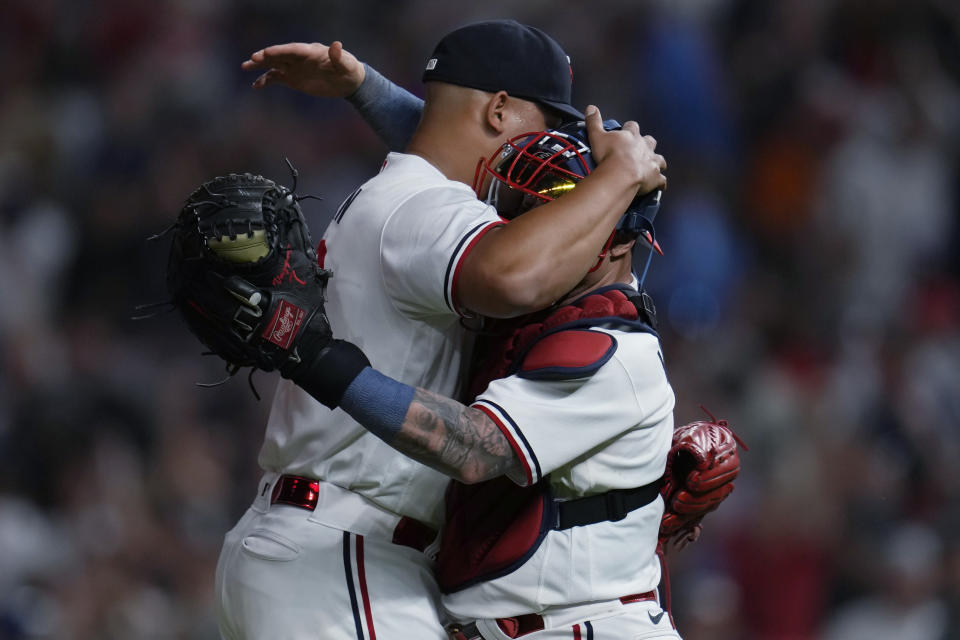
(495, 114)
(622, 249)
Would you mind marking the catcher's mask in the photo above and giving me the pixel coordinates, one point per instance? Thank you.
(534, 168)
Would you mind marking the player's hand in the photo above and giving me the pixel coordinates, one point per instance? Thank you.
(313, 68)
(634, 153)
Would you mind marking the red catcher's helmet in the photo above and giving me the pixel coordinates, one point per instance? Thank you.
(534, 168)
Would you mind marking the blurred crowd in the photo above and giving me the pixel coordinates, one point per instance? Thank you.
(810, 292)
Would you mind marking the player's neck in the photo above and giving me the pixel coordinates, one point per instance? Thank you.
(605, 276)
(452, 149)
(451, 167)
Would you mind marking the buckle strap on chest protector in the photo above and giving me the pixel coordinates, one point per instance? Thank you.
(645, 307)
(613, 505)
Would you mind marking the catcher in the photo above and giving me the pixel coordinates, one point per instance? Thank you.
(568, 475)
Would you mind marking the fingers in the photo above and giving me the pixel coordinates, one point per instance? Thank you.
(594, 120)
(273, 76)
(283, 54)
(660, 164)
(651, 143)
(291, 52)
(628, 144)
(336, 54)
(257, 60)
(658, 161)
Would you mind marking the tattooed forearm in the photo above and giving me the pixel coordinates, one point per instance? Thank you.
(459, 441)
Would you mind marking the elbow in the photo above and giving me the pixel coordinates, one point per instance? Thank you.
(475, 475)
(487, 466)
(468, 477)
(518, 294)
(503, 467)
(505, 284)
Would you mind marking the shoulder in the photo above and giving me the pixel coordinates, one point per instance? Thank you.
(567, 354)
(412, 173)
(410, 186)
(640, 356)
(435, 209)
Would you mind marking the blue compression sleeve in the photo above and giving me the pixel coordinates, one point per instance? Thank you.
(391, 111)
(378, 402)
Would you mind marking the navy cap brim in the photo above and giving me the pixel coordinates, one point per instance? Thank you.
(567, 111)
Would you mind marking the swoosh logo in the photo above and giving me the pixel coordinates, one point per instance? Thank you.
(655, 619)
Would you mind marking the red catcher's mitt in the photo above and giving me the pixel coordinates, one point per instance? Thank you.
(701, 467)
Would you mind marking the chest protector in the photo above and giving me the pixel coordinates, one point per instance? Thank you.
(493, 527)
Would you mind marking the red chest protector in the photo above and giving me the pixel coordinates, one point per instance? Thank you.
(503, 353)
(493, 527)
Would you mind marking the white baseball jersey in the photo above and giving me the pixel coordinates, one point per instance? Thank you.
(610, 430)
(395, 248)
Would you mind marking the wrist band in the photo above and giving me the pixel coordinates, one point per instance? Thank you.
(327, 377)
(377, 402)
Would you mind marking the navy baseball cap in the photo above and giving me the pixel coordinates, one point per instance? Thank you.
(504, 55)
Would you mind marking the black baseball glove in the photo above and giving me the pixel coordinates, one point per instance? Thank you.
(244, 275)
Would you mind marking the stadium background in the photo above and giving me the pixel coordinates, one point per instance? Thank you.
(809, 291)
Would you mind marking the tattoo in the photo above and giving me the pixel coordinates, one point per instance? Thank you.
(459, 441)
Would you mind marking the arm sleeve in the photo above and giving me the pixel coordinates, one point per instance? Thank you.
(391, 111)
(425, 242)
(550, 423)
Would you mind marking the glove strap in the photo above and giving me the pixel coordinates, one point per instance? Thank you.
(328, 375)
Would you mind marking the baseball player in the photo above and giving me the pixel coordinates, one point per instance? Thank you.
(332, 545)
(552, 529)
(553, 533)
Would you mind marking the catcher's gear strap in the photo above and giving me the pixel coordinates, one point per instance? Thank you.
(492, 528)
(613, 505)
(568, 354)
(646, 310)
